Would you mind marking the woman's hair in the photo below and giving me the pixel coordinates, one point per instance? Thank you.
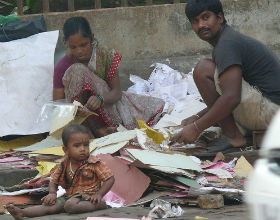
(72, 129)
(195, 7)
(77, 25)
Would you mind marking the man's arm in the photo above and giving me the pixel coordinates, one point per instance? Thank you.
(230, 82)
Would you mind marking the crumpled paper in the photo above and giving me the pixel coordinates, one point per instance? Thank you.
(163, 209)
(165, 83)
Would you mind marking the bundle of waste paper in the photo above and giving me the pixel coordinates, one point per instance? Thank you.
(149, 168)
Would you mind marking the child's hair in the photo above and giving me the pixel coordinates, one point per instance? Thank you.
(72, 129)
(77, 25)
(195, 7)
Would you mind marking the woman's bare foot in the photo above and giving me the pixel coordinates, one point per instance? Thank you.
(15, 211)
(105, 131)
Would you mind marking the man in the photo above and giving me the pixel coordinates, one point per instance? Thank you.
(241, 84)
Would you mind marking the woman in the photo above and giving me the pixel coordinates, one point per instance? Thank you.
(89, 74)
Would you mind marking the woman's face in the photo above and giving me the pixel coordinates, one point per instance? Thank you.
(80, 48)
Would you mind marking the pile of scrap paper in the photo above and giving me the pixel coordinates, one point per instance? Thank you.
(145, 168)
(148, 167)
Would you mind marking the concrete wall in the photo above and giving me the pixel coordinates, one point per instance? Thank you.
(154, 33)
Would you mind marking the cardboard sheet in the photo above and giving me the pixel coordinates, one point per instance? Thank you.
(243, 167)
(46, 143)
(163, 159)
(130, 182)
(188, 182)
(109, 149)
(114, 138)
(45, 167)
(11, 159)
(50, 150)
(109, 218)
(221, 173)
(19, 142)
(150, 197)
(172, 170)
(26, 82)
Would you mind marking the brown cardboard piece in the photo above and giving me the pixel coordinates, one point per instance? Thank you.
(130, 182)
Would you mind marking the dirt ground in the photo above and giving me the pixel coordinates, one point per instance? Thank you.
(236, 212)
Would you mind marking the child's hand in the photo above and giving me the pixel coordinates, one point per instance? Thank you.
(95, 198)
(49, 199)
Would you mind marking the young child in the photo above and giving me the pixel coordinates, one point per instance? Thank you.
(80, 174)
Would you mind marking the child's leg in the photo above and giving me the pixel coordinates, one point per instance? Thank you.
(76, 205)
(34, 211)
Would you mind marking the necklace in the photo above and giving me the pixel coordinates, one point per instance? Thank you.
(71, 172)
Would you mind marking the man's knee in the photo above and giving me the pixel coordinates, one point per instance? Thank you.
(204, 68)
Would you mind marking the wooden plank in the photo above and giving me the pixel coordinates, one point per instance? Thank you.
(46, 6)
(20, 7)
(97, 4)
(71, 5)
(124, 3)
(149, 2)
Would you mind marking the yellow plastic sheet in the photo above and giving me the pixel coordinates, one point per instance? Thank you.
(45, 167)
(151, 133)
(20, 142)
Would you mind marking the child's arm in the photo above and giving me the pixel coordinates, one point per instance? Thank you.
(106, 186)
(50, 199)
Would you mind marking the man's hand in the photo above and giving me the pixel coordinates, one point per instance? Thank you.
(93, 103)
(49, 199)
(189, 120)
(95, 198)
(188, 135)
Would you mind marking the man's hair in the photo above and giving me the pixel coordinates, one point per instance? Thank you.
(72, 129)
(77, 25)
(195, 7)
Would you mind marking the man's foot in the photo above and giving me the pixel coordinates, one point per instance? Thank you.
(239, 141)
(15, 211)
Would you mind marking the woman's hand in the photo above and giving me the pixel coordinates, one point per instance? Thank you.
(93, 103)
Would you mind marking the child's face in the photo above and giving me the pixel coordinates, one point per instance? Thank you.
(77, 148)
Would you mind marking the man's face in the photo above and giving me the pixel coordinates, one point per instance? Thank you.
(207, 25)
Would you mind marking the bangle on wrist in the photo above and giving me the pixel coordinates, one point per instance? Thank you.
(197, 128)
(100, 97)
(52, 193)
(196, 115)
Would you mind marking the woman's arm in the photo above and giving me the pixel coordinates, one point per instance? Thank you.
(111, 97)
(115, 94)
(58, 93)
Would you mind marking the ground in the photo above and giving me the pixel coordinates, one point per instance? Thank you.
(237, 212)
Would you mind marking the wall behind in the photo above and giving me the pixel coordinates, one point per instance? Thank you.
(153, 33)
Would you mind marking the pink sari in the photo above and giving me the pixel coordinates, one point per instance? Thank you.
(102, 67)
